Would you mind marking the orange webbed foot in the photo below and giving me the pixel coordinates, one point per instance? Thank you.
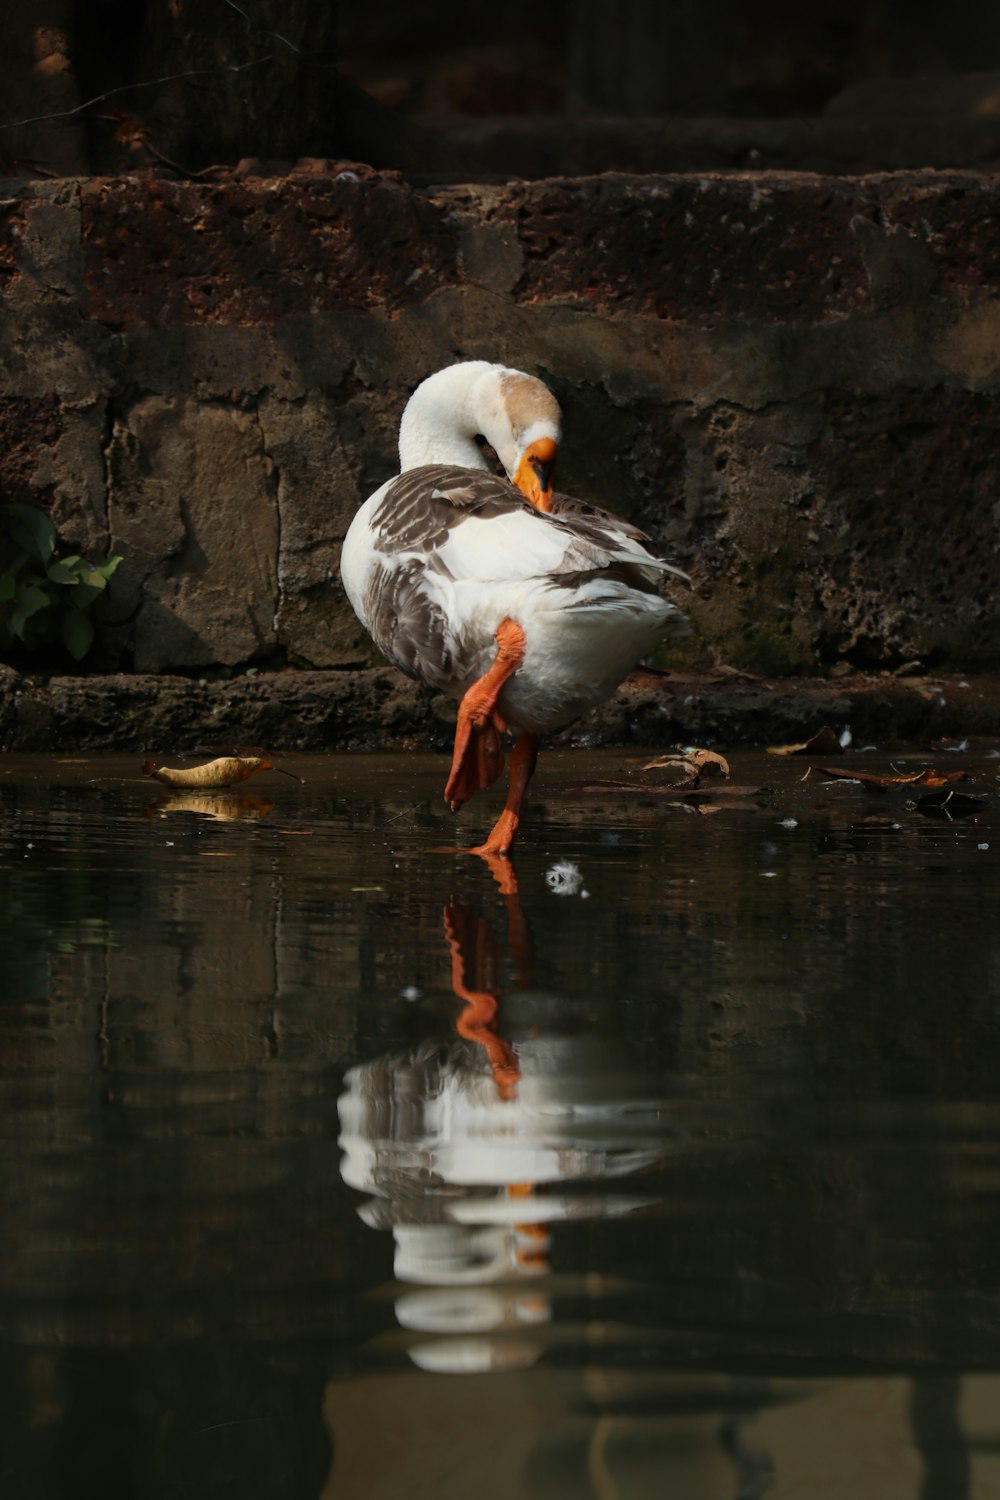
(477, 759)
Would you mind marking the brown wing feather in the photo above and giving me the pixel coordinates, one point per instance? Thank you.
(569, 508)
(415, 515)
(423, 505)
(408, 627)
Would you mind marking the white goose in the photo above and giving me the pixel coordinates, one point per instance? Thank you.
(528, 613)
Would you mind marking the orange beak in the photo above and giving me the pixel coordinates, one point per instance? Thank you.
(535, 472)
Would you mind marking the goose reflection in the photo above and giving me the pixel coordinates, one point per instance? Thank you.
(473, 1148)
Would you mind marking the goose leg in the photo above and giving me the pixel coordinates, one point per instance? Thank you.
(522, 764)
(478, 759)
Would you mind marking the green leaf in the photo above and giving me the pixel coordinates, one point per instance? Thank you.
(93, 578)
(109, 566)
(77, 633)
(32, 530)
(8, 587)
(82, 595)
(29, 601)
(63, 571)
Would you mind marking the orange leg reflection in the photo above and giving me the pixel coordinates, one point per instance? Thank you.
(474, 978)
(534, 1254)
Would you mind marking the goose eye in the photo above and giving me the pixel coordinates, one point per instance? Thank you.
(545, 472)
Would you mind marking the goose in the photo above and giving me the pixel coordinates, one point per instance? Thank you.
(526, 605)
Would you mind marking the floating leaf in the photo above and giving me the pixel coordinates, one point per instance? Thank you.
(692, 761)
(224, 771)
(949, 804)
(881, 783)
(820, 744)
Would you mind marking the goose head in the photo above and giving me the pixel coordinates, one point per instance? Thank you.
(517, 415)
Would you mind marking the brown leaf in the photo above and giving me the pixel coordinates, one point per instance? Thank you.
(820, 744)
(879, 782)
(937, 778)
(738, 804)
(692, 761)
(225, 771)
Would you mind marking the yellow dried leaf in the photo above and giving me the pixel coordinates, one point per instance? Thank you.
(225, 771)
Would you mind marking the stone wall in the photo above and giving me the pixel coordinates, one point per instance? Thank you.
(789, 380)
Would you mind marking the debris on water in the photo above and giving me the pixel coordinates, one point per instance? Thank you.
(565, 878)
(789, 823)
(949, 804)
(879, 782)
(821, 744)
(224, 771)
(691, 762)
(845, 737)
(411, 992)
(982, 846)
(690, 765)
(735, 796)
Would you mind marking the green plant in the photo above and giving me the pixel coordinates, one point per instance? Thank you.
(46, 598)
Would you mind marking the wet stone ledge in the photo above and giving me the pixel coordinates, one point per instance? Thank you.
(377, 709)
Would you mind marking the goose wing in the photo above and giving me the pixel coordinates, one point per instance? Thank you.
(438, 525)
(472, 525)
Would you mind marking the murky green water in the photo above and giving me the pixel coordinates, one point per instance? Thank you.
(329, 1169)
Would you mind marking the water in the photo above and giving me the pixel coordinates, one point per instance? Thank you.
(330, 1168)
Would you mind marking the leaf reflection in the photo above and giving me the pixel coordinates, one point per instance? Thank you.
(222, 807)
